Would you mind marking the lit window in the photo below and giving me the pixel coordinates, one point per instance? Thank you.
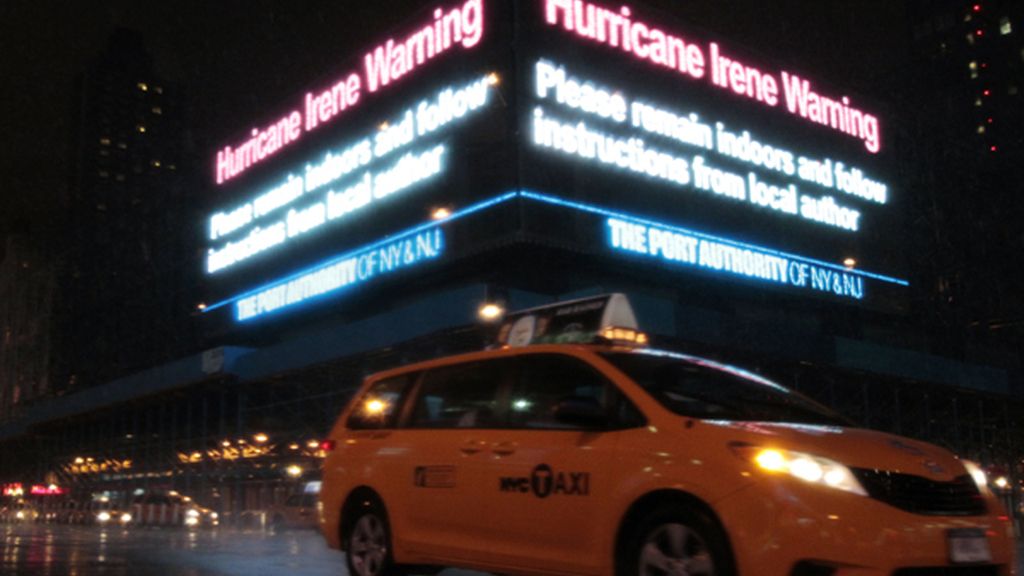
(143, 86)
(973, 65)
(1005, 27)
(968, 17)
(977, 102)
(970, 39)
(158, 90)
(104, 152)
(105, 141)
(157, 110)
(122, 145)
(141, 129)
(981, 129)
(155, 163)
(974, 74)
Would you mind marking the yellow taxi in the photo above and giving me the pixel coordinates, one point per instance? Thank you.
(610, 459)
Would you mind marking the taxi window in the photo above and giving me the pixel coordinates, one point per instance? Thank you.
(462, 396)
(379, 406)
(546, 380)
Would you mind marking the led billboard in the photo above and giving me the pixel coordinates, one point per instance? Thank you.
(613, 130)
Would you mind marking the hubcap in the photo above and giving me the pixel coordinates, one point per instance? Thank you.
(367, 547)
(675, 550)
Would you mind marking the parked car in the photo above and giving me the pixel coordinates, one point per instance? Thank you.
(297, 511)
(170, 509)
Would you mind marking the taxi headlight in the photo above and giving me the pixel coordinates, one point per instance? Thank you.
(103, 516)
(807, 467)
(980, 478)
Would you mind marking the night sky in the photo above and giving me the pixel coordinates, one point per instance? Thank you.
(234, 59)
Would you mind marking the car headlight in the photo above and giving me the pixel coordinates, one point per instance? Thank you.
(103, 516)
(193, 513)
(126, 518)
(980, 478)
(807, 467)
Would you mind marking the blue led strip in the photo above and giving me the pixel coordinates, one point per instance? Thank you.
(390, 240)
(638, 220)
(552, 200)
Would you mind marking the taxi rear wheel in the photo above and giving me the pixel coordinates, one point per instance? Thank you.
(368, 545)
(676, 541)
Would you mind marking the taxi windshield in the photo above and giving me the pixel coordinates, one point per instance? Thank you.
(699, 388)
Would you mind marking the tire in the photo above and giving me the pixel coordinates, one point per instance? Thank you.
(368, 544)
(676, 540)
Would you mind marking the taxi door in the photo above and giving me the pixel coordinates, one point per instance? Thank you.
(449, 426)
(547, 480)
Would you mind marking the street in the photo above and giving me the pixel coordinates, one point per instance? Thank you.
(59, 550)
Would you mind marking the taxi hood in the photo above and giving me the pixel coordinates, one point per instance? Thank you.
(853, 447)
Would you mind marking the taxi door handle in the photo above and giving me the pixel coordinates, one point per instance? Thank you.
(504, 448)
(471, 447)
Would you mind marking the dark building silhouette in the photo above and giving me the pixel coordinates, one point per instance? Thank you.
(965, 151)
(123, 272)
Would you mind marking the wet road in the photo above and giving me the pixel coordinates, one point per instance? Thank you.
(55, 550)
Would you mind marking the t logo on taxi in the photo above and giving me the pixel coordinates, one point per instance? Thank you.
(543, 482)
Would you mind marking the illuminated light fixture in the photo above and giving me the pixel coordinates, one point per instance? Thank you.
(993, 148)
(850, 263)
(126, 518)
(986, 92)
(293, 446)
(261, 438)
(79, 460)
(384, 126)
(771, 460)
(489, 311)
(493, 79)
(141, 129)
(977, 8)
(201, 306)
(375, 407)
(143, 86)
(624, 335)
(103, 517)
(1002, 483)
(312, 444)
(226, 443)
(327, 445)
(806, 467)
(294, 471)
(440, 213)
(979, 32)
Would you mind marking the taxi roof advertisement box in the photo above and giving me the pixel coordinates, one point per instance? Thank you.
(609, 129)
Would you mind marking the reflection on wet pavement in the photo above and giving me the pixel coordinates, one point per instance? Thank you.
(48, 550)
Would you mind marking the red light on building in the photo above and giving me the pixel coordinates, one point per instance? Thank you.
(14, 489)
(977, 8)
(993, 149)
(51, 490)
(986, 92)
(979, 32)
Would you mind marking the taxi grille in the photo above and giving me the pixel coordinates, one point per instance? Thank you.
(919, 495)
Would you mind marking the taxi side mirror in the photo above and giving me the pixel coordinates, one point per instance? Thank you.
(581, 411)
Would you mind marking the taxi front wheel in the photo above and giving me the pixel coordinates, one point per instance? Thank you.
(676, 541)
(368, 545)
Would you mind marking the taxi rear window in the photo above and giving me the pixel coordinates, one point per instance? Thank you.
(690, 387)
